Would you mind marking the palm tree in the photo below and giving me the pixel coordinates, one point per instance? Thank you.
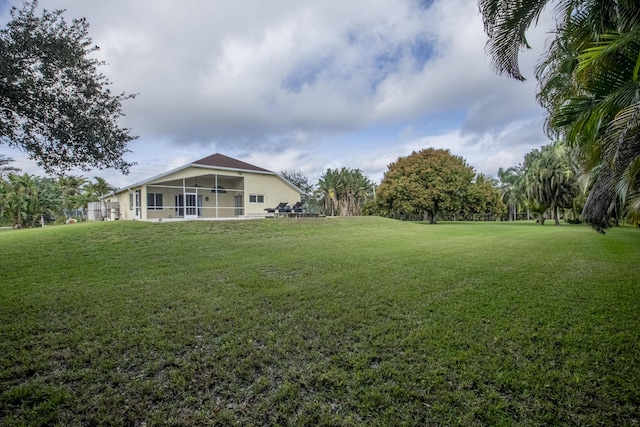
(512, 191)
(551, 183)
(588, 84)
(72, 187)
(27, 198)
(328, 186)
(95, 191)
(13, 200)
(344, 191)
(45, 200)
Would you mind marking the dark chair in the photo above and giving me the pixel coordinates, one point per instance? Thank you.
(277, 208)
(297, 207)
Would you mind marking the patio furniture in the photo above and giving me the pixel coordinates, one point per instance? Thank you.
(297, 207)
(277, 208)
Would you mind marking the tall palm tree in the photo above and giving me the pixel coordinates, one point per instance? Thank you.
(72, 187)
(45, 200)
(328, 186)
(5, 166)
(551, 183)
(95, 191)
(588, 83)
(13, 200)
(512, 191)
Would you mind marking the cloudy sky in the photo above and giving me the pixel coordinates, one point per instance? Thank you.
(290, 84)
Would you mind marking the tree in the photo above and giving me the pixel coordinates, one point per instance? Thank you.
(344, 191)
(329, 186)
(424, 183)
(95, 191)
(588, 85)
(512, 190)
(54, 104)
(71, 193)
(300, 180)
(482, 198)
(25, 199)
(98, 189)
(550, 181)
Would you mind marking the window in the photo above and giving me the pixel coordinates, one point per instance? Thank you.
(154, 201)
(256, 198)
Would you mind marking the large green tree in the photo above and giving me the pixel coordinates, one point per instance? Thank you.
(54, 103)
(589, 85)
(424, 183)
(482, 199)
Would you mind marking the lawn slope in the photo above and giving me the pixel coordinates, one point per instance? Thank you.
(359, 321)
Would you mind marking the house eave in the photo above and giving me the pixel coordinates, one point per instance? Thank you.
(204, 167)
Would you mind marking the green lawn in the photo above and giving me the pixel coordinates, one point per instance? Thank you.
(360, 321)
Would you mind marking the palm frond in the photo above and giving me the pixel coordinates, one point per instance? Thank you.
(505, 23)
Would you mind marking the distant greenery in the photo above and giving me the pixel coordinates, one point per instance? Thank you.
(337, 321)
(29, 200)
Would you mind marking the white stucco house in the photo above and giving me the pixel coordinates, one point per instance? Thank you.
(214, 187)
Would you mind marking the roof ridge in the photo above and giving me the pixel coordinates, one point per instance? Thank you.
(220, 160)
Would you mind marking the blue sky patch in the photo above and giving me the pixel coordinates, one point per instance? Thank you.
(421, 50)
(304, 74)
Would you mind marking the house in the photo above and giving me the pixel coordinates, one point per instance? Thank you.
(214, 187)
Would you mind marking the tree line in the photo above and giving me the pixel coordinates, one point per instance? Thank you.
(433, 184)
(428, 185)
(29, 201)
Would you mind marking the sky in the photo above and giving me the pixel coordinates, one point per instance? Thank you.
(299, 85)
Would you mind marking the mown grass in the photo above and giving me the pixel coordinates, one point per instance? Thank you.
(360, 321)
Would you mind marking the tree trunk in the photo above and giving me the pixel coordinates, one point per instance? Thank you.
(555, 215)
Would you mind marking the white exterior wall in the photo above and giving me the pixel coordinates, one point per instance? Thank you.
(274, 190)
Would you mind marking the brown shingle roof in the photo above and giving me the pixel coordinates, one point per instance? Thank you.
(221, 161)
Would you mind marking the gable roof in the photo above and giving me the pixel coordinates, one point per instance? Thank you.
(221, 161)
(214, 161)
